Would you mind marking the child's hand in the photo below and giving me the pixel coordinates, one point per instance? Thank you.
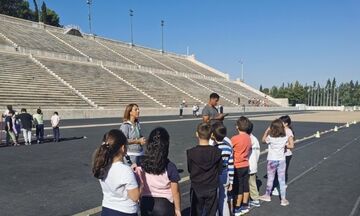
(142, 141)
(230, 187)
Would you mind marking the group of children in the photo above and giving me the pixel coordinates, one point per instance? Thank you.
(222, 170)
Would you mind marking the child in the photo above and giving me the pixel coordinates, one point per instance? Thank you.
(159, 177)
(241, 145)
(117, 180)
(288, 154)
(253, 164)
(226, 177)
(276, 139)
(55, 121)
(204, 166)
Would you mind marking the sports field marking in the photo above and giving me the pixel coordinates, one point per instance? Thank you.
(355, 208)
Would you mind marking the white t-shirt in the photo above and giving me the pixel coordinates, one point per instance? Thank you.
(119, 180)
(289, 134)
(254, 154)
(276, 147)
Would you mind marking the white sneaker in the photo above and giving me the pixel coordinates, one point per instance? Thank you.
(275, 192)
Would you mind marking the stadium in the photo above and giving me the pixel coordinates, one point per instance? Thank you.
(90, 80)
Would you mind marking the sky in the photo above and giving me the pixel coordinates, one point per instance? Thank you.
(278, 40)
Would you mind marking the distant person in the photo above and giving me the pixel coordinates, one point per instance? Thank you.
(26, 121)
(9, 128)
(16, 127)
(118, 183)
(226, 176)
(241, 145)
(276, 139)
(253, 167)
(39, 125)
(181, 108)
(132, 131)
(159, 177)
(221, 109)
(55, 122)
(210, 114)
(204, 166)
(288, 154)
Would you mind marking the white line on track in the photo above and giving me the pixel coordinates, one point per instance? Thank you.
(355, 208)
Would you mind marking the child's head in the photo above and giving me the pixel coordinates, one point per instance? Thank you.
(242, 124)
(218, 132)
(286, 120)
(203, 131)
(277, 128)
(250, 128)
(113, 145)
(157, 150)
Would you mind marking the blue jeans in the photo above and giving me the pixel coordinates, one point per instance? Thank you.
(40, 132)
(56, 132)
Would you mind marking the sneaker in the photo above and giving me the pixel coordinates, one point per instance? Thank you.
(265, 198)
(275, 192)
(241, 211)
(244, 209)
(284, 202)
(255, 203)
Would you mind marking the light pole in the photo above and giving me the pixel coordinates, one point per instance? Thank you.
(131, 13)
(88, 2)
(242, 70)
(162, 35)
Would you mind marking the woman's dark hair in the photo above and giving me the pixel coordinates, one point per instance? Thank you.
(286, 119)
(38, 111)
(277, 128)
(113, 141)
(127, 112)
(157, 150)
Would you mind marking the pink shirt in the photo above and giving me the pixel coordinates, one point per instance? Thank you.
(159, 185)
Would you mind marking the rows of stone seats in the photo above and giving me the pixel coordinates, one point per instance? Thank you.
(34, 38)
(89, 47)
(24, 83)
(132, 54)
(157, 88)
(103, 88)
(221, 90)
(195, 67)
(249, 94)
(166, 60)
(192, 88)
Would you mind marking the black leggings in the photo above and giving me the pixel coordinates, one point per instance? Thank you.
(155, 206)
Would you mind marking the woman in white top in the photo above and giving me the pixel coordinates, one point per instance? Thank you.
(277, 140)
(117, 180)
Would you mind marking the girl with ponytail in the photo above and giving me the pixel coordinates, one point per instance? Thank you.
(117, 180)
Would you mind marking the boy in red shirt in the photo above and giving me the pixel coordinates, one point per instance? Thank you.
(241, 145)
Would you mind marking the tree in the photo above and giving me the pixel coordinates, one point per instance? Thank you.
(36, 11)
(43, 13)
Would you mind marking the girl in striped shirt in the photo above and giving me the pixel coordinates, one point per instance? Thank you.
(227, 175)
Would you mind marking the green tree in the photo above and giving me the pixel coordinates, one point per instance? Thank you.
(36, 11)
(43, 13)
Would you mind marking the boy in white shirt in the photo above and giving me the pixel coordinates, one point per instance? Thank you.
(253, 164)
(55, 121)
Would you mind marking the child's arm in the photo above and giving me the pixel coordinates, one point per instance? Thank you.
(231, 170)
(290, 144)
(134, 194)
(175, 190)
(265, 135)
